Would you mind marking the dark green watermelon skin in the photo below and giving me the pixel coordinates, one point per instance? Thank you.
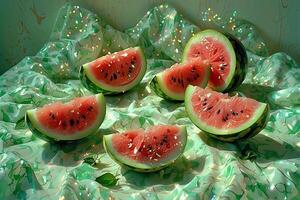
(156, 89)
(246, 134)
(91, 86)
(39, 134)
(241, 63)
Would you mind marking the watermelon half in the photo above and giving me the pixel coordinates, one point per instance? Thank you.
(149, 150)
(224, 117)
(172, 82)
(226, 55)
(115, 73)
(67, 121)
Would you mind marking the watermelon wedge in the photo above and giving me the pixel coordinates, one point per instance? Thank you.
(226, 55)
(147, 151)
(224, 117)
(67, 121)
(114, 73)
(171, 83)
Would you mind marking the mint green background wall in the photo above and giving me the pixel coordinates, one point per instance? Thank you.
(25, 25)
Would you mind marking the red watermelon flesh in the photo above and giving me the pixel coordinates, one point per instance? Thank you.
(156, 144)
(214, 51)
(222, 111)
(69, 118)
(117, 69)
(179, 76)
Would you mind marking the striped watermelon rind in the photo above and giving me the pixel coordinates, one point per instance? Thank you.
(155, 87)
(250, 132)
(249, 129)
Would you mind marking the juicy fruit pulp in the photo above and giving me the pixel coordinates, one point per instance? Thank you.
(148, 150)
(68, 121)
(117, 72)
(172, 82)
(221, 115)
(226, 55)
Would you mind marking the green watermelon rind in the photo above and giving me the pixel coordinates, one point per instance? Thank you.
(241, 63)
(248, 133)
(158, 86)
(88, 80)
(239, 132)
(237, 54)
(91, 86)
(143, 167)
(39, 131)
(155, 87)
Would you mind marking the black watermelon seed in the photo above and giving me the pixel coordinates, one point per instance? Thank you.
(204, 104)
(132, 62)
(222, 68)
(90, 108)
(218, 111)
(111, 78)
(51, 116)
(242, 111)
(106, 74)
(165, 139)
(209, 108)
(72, 122)
(205, 99)
(115, 76)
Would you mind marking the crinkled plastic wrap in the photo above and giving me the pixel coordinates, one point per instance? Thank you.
(264, 167)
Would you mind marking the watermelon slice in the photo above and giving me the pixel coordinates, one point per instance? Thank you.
(224, 117)
(172, 82)
(67, 121)
(226, 55)
(114, 73)
(149, 150)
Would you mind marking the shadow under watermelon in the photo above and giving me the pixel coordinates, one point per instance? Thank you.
(72, 153)
(261, 148)
(182, 171)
